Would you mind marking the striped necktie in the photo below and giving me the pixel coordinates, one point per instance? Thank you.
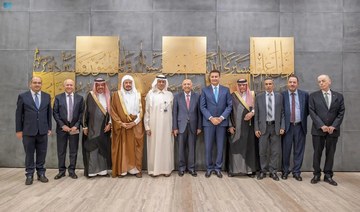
(269, 107)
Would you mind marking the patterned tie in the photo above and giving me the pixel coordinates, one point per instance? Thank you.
(70, 113)
(327, 99)
(37, 102)
(188, 101)
(216, 93)
(269, 107)
(292, 117)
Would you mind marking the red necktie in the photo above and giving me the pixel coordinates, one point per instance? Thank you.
(292, 117)
(188, 101)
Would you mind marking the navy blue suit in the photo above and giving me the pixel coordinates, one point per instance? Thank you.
(210, 108)
(295, 133)
(187, 121)
(62, 138)
(34, 124)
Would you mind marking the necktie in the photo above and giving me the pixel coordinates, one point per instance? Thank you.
(70, 109)
(37, 102)
(269, 107)
(327, 99)
(292, 116)
(216, 93)
(188, 101)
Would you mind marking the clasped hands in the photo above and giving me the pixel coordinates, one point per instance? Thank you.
(328, 129)
(216, 120)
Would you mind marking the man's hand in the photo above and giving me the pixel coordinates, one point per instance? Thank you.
(107, 128)
(215, 120)
(73, 129)
(232, 130)
(49, 132)
(331, 129)
(148, 132)
(129, 125)
(258, 133)
(282, 131)
(176, 132)
(65, 128)
(86, 131)
(248, 116)
(198, 131)
(325, 128)
(19, 135)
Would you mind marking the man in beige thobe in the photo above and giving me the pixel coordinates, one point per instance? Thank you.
(128, 132)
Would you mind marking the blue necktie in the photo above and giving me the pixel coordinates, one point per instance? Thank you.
(216, 93)
(37, 102)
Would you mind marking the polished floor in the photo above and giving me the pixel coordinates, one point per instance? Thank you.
(176, 193)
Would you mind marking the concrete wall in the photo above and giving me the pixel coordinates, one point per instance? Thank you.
(327, 40)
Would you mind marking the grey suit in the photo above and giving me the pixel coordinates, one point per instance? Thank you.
(270, 131)
(187, 121)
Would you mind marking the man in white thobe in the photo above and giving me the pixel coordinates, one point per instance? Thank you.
(158, 126)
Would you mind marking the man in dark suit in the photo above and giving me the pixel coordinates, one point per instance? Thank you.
(33, 125)
(216, 106)
(68, 110)
(186, 125)
(327, 109)
(269, 126)
(296, 104)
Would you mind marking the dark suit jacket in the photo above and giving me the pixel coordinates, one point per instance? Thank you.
(31, 120)
(260, 113)
(181, 114)
(321, 115)
(304, 109)
(60, 111)
(209, 107)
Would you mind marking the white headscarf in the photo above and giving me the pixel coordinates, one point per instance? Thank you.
(159, 77)
(131, 98)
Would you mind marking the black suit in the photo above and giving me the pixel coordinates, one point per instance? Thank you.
(324, 116)
(61, 118)
(34, 123)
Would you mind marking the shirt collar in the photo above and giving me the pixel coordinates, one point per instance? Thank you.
(296, 92)
(187, 93)
(71, 94)
(33, 93)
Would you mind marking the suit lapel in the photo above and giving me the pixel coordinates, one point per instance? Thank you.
(333, 98)
(323, 99)
(30, 98)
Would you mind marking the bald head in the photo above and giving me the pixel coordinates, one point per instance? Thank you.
(187, 85)
(69, 86)
(324, 82)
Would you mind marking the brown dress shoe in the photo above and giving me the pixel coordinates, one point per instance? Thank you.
(138, 175)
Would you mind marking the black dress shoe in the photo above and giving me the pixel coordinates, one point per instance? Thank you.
(193, 173)
(181, 173)
(73, 175)
(252, 175)
(284, 176)
(208, 174)
(218, 174)
(42, 178)
(315, 179)
(297, 177)
(230, 174)
(105, 175)
(330, 181)
(274, 176)
(59, 175)
(261, 176)
(29, 180)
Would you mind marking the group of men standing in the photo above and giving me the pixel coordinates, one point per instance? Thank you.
(262, 129)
